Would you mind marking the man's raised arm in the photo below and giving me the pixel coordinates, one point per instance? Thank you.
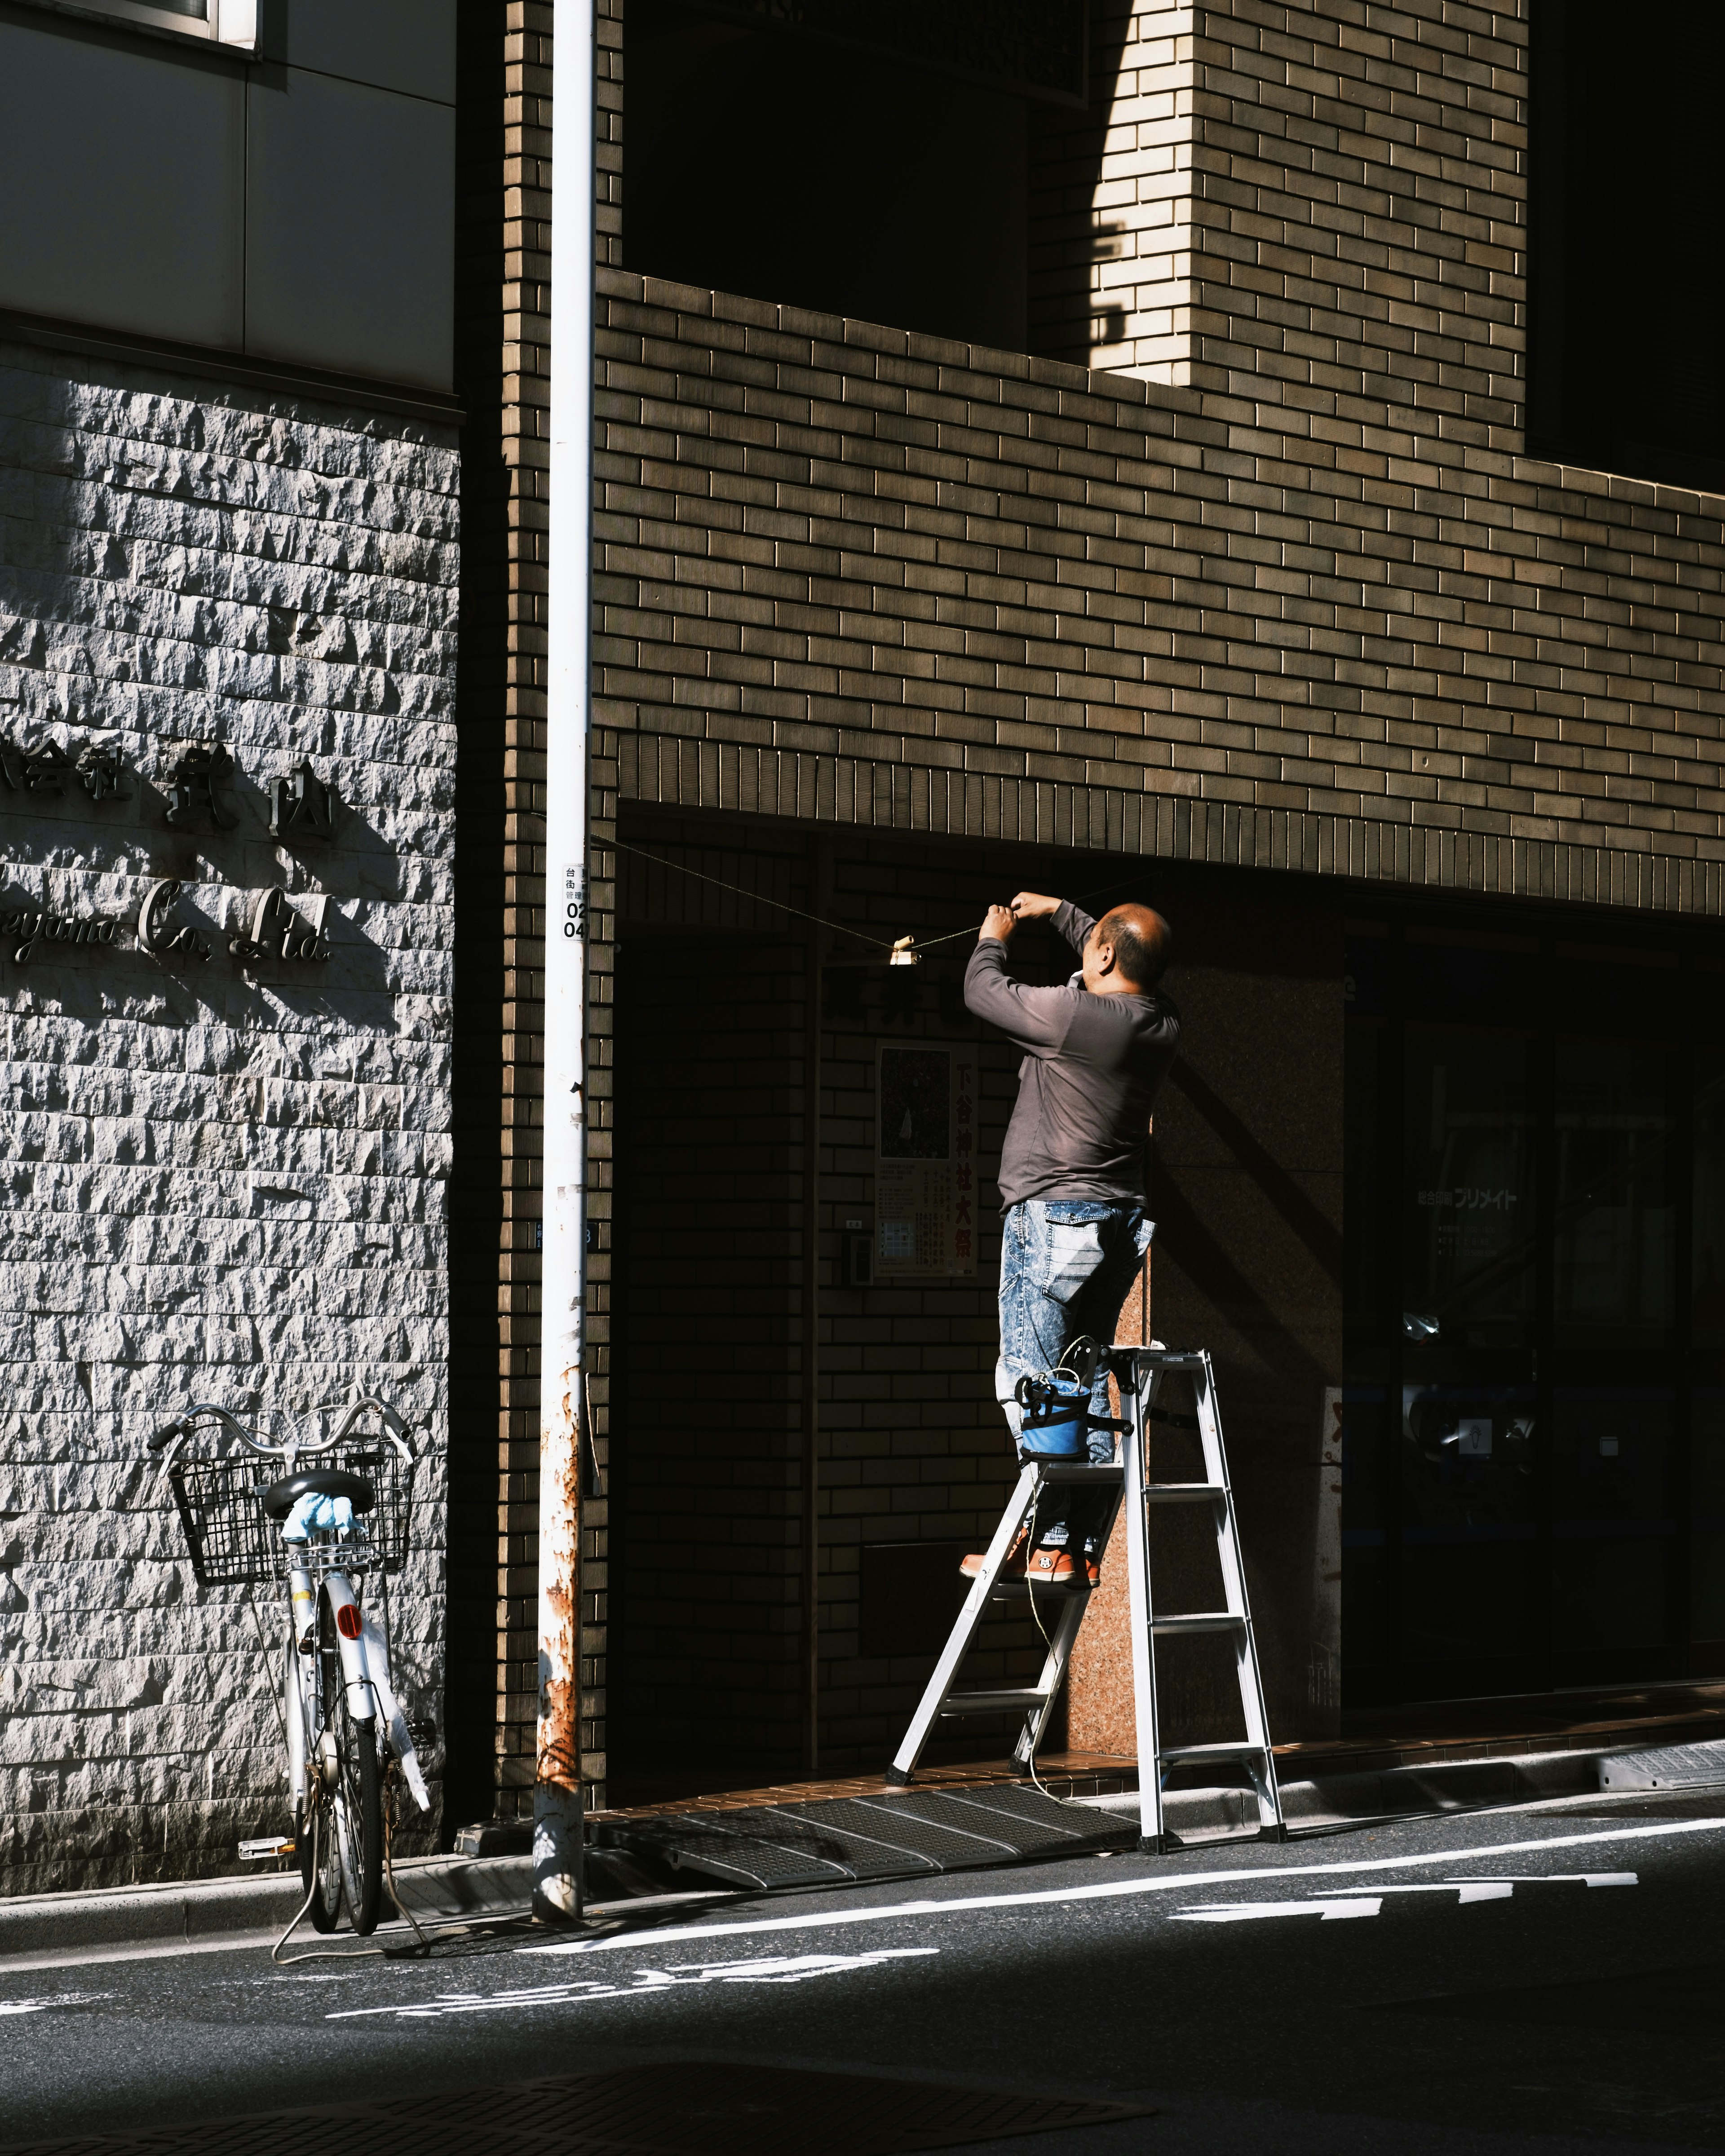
(1069, 920)
(1035, 1017)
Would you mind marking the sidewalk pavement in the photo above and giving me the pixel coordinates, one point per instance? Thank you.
(209, 1915)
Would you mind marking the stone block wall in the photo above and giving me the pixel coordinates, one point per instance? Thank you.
(224, 1174)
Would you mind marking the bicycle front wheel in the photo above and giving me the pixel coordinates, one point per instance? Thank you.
(314, 1815)
(354, 1810)
(320, 1863)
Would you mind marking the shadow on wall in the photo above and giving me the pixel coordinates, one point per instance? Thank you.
(1246, 1188)
(1067, 317)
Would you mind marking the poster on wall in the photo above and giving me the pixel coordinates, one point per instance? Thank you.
(925, 1163)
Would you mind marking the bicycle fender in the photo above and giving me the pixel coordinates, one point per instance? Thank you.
(400, 1742)
(355, 1670)
(293, 1706)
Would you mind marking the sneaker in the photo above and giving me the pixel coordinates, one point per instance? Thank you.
(1092, 1564)
(1012, 1566)
(1053, 1567)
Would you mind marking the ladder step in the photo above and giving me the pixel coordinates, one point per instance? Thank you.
(1182, 1493)
(1208, 1620)
(1213, 1751)
(992, 1702)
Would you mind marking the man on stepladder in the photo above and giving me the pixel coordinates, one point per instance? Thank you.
(1075, 1230)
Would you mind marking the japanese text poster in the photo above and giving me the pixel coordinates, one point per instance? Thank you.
(925, 1168)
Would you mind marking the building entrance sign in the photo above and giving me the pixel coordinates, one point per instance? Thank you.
(199, 785)
(276, 929)
(157, 935)
(302, 805)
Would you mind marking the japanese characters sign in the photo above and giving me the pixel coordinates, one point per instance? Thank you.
(925, 1165)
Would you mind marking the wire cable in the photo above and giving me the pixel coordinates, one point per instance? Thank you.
(879, 942)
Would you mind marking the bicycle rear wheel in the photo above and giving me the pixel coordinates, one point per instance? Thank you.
(354, 1810)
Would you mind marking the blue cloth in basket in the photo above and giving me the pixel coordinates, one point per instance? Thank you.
(316, 1514)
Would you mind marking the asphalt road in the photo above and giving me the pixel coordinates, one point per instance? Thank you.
(1529, 1981)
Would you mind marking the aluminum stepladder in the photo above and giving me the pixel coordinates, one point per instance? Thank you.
(1139, 1372)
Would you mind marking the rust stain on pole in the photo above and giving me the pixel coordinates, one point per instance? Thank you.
(559, 1749)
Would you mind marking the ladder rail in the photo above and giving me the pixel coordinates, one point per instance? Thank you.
(1247, 1671)
(1138, 1576)
(1060, 1643)
(970, 1616)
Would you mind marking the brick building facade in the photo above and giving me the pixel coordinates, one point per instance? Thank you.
(1236, 575)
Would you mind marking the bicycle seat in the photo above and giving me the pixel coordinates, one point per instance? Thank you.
(280, 1498)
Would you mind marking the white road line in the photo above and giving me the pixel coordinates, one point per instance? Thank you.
(771, 1969)
(1116, 1889)
(1244, 1913)
(1368, 1901)
(1508, 1879)
(48, 2005)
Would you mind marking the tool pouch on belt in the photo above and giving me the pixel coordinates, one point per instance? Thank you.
(1055, 1419)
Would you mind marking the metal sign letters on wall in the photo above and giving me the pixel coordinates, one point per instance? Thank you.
(198, 789)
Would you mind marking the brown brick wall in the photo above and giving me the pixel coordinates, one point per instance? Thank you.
(856, 574)
(1111, 197)
(503, 357)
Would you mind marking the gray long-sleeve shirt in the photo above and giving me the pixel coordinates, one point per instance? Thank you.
(1085, 1087)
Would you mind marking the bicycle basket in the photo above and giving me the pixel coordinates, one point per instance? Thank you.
(233, 1544)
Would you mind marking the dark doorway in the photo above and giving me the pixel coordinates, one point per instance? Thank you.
(1535, 1195)
(706, 1582)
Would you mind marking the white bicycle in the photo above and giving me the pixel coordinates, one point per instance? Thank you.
(318, 1530)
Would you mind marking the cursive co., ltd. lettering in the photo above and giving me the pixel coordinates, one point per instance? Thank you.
(277, 931)
(157, 934)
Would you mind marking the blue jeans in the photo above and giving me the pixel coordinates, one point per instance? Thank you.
(1066, 1266)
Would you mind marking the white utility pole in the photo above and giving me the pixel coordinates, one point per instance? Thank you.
(557, 1804)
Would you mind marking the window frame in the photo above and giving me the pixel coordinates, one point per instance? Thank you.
(231, 25)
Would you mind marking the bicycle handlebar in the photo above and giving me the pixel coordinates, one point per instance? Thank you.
(182, 1427)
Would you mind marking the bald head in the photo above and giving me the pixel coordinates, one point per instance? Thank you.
(1140, 942)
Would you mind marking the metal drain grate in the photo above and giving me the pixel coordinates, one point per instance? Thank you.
(691, 2109)
(1673, 1767)
(897, 1836)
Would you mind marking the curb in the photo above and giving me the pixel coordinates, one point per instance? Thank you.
(449, 1889)
(193, 1911)
(1434, 1789)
